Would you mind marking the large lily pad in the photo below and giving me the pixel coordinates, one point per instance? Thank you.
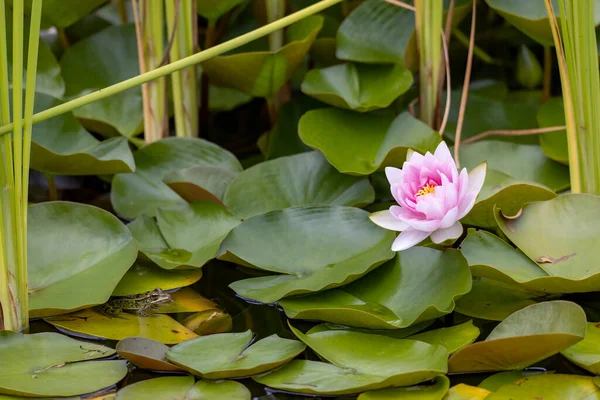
(360, 144)
(520, 161)
(230, 355)
(195, 229)
(62, 13)
(509, 194)
(586, 353)
(143, 277)
(146, 353)
(531, 17)
(418, 285)
(215, 9)
(358, 87)
(200, 183)
(144, 191)
(524, 338)
(183, 387)
(452, 338)
(159, 327)
(554, 144)
(435, 391)
(96, 62)
(466, 392)
(561, 236)
(312, 249)
(60, 146)
(496, 381)
(49, 364)
(76, 249)
(304, 179)
(262, 74)
(359, 362)
(550, 387)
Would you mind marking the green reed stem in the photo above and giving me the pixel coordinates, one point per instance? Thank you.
(189, 76)
(428, 25)
(177, 65)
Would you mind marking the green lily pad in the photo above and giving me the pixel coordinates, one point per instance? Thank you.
(360, 144)
(466, 392)
(60, 146)
(96, 62)
(359, 362)
(187, 300)
(183, 387)
(496, 381)
(159, 327)
(304, 179)
(144, 191)
(358, 87)
(586, 353)
(48, 77)
(531, 17)
(500, 189)
(529, 71)
(520, 161)
(200, 183)
(549, 387)
(418, 285)
(49, 364)
(524, 338)
(452, 338)
(96, 250)
(230, 355)
(143, 277)
(217, 8)
(263, 73)
(195, 229)
(378, 32)
(146, 354)
(435, 391)
(312, 249)
(554, 144)
(561, 236)
(62, 13)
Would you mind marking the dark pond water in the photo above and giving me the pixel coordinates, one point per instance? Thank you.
(265, 320)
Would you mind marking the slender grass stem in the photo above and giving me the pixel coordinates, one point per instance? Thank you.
(177, 65)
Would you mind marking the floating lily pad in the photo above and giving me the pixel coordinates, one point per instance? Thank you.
(99, 61)
(554, 144)
(496, 381)
(49, 364)
(144, 191)
(230, 355)
(418, 285)
(523, 162)
(524, 338)
(500, 189)
(263, 73)
(159, 327)
(452, 338)
(187, 300)
(466, 392)
(396, 333)
(144, 277)
(192, 231)
(435, 391)
(183, 387)
(217, 8)
(561, 236)
(549, 387)
(209, 322)
(312, 249)
(358, 87)
(359, 362)
(495, 300)
(531, 17)
(304, 179)
(62, 13)
(382, 139)
(586, 353)
(200, 183)
(146, 354)
(378, 32)
(76, 249)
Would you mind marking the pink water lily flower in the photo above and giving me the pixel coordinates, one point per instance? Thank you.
(432, 196)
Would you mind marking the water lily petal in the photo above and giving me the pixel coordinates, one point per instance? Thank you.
(477, 177)
(463, 182)
(408, 239)
(442, 153)
(441, 235)
(466, 205)
(394, 175)
(450, 218)
(386, 220)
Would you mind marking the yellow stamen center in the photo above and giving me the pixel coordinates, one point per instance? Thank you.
(427, 189)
